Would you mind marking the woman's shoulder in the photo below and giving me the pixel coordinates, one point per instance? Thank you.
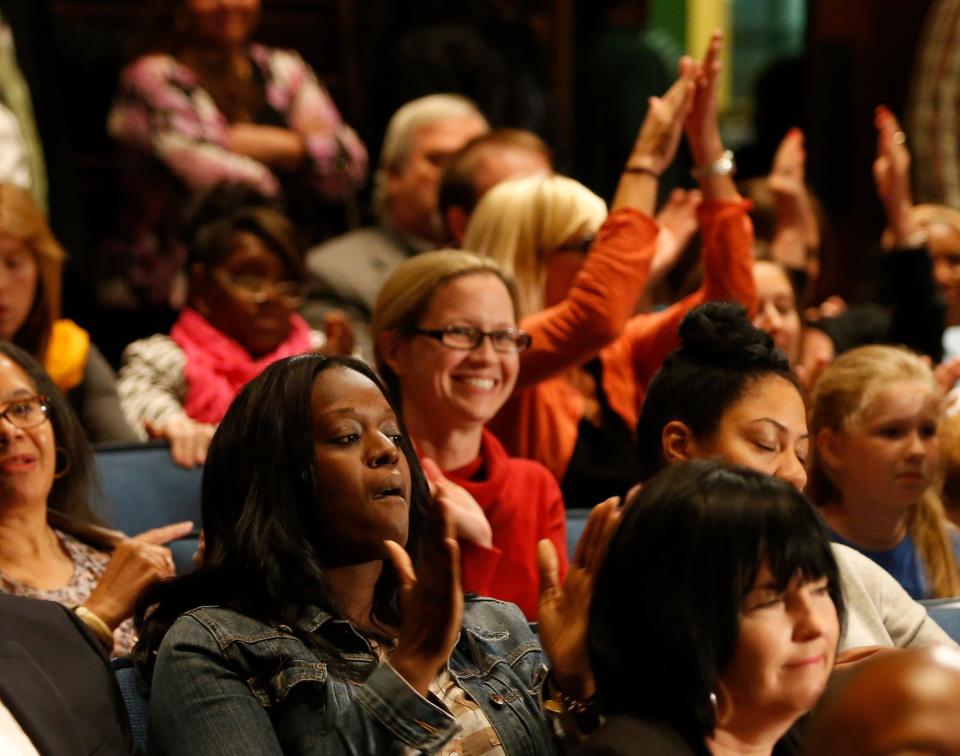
(224, 624)
(157, 347)
(154, 67)
(492, 619)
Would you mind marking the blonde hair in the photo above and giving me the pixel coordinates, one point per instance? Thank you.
(407, 293)
(844, 393)
(21, 219)
(518, 221)
(402, 131)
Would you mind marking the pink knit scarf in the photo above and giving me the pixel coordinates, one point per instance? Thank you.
(217, 367)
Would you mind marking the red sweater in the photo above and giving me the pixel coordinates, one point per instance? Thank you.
(523, 504)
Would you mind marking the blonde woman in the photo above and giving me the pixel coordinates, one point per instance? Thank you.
(31, 262)
(874, 421)
(581, 384)
(448, 348)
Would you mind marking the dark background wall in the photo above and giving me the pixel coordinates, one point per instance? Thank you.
(859, 54)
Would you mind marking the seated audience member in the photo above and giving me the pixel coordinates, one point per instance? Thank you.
(904, 703)
(581, 384)
(906, 308)
(448, 348)
(206, 105)
(347, 272)
(51, 545)
(873, 416)
(315, 509)
(246, 281)
(32, 264)
(728, 392)
(748, 615)
(58, 695)
(942, 227)
(483, 163)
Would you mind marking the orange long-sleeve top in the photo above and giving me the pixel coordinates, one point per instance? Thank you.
(541, 420)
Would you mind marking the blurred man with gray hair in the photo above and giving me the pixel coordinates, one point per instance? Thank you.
(347, 272)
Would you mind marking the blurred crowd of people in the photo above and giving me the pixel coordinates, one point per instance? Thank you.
(398, 423)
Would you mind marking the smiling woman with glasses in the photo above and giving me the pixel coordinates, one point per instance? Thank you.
(52, 545)
(247, 280)
(448, 346)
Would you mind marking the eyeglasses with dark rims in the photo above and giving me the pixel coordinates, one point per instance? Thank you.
(26, 412)
(256, 289)
(468, 338)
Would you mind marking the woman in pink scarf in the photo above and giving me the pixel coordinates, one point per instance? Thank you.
(246, 280)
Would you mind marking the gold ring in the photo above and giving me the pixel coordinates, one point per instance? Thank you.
(899, 137)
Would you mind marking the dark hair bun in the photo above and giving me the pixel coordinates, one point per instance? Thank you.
(719, 334)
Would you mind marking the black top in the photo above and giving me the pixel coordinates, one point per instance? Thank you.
(629, 736)
(604, 461)
(908, 309)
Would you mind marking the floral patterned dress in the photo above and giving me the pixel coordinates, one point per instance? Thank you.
(176, 141)
(88, 566)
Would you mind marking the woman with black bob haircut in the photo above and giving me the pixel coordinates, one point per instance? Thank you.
(727, 392)
(747, 615)
(305, 627)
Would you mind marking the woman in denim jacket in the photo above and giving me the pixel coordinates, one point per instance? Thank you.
(306, 630)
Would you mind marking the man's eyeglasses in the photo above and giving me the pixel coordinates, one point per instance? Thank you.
(468, 338)
(256, 290)
(27, 412)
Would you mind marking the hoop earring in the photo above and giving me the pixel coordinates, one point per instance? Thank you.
(720, 703)
(61, 452)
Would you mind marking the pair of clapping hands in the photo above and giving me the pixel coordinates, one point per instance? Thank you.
(432, 596)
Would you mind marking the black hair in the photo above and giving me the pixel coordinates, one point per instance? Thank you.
(75, 482)
(259, 511)
(664, 618)
(720, 356)
(212, 218)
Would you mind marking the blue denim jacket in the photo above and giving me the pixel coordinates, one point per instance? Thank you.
(225, 683)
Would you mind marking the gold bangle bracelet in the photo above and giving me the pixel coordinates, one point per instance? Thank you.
(92, 620)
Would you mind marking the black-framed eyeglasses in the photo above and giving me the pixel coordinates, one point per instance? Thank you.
(468, 337)
(256, 289)
(27, 412)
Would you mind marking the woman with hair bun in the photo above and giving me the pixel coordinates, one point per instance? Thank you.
(727, 392)
(874, 416)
